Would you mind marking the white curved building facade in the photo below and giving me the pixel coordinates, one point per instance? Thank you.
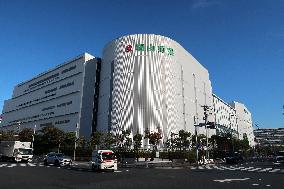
(151, 82)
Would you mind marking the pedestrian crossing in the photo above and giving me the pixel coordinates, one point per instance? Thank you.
(11, 165)
(236, 168)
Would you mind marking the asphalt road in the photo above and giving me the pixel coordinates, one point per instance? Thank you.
(36, 176)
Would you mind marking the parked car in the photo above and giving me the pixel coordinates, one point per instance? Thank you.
(57, 159)
(279, 160)
(103, 160)
(234, 158)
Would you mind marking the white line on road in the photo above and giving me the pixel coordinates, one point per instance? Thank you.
(256, 169)
(229, 180)
(12, 165)
(216, 167)
(274, 170)
(266, 169)
(245, 169)
(3, 165)
(23, 164)
(31, 164)
(208, 167)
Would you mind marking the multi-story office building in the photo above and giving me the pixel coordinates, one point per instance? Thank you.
(62, 96)
(232, 119)
(244, 122)
(269, 137)
(225, 118)
(151, 82)
(143, 81)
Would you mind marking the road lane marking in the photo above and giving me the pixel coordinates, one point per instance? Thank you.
(266, 169)
(216, 167)
(274, 170)
(31, 164)
(23, 165)
(256, 169)
(3, 165)
(229, 180)
(245, 169)
(208, 167)
(12, 165)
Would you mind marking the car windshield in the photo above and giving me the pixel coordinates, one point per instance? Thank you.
(108, 156)
(60, 155)
(23, 151)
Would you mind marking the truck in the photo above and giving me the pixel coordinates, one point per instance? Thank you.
(103, 160)
(16, 151)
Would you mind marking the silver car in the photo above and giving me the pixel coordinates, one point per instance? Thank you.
(57, 159)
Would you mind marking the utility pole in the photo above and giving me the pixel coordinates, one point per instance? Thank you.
(206, 109)
(75, 143)
(34, 136)
(196, 139)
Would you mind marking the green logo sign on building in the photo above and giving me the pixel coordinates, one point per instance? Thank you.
(151, 48)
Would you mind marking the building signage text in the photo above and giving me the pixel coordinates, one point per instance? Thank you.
(150, 48)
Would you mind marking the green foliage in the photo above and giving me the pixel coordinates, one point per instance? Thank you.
(26, 135)
(154, 137)
(137, 138)
(8, 136)
(100, 140)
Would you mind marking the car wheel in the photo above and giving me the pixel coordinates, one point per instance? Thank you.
(45, 162)
(93, 167)
(57, 164)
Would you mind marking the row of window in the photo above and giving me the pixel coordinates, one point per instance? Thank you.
(32, 117)
(66, 85)
(50, 90)
(36, 100)
(46, 92)
(62, 122)
(68, 69)
(64, 104)
(43, 80)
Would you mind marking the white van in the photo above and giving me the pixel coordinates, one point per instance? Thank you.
(103, 160)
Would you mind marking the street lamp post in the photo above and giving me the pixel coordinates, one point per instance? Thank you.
(33, 136)
(206, 113)
(19, 127)
(231, 130)
(75, 143)
(196, 139)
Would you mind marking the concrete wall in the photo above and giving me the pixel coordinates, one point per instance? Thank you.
(54, 98)
(150, 89)
(244, 120)
(225, 117)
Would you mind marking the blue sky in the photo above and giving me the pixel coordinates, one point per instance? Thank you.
(240, 42)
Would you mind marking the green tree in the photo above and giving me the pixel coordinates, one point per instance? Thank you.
(26, 135)
(137, 138)
(8, 136)
(183, 140)
(52, 137)
(154, 137)
(95, 141)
